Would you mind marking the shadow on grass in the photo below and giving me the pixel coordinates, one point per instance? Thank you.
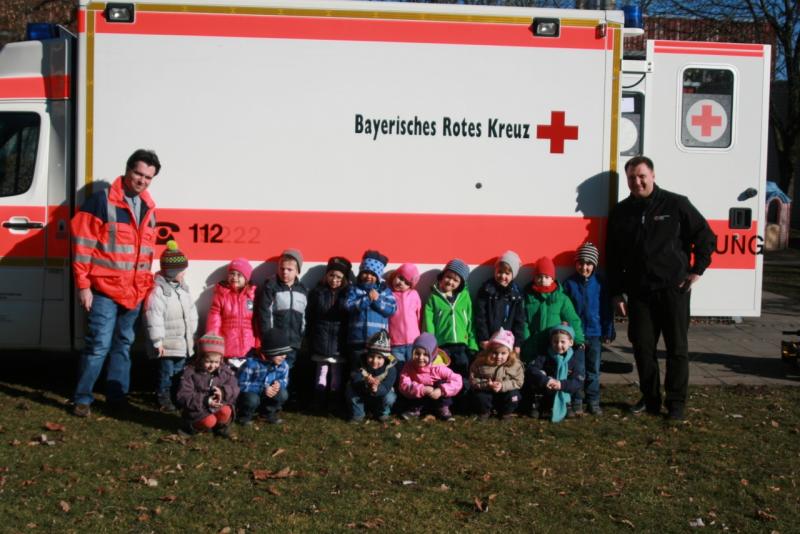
(49, 378)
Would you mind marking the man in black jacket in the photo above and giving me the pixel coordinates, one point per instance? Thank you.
(658, 247)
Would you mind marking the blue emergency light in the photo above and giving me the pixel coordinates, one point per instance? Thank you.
(633, 16)
(39, 31)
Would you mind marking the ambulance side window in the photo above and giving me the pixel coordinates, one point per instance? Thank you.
(707, 105)
(19, 139)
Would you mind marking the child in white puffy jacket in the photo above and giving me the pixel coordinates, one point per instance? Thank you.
(171, 318)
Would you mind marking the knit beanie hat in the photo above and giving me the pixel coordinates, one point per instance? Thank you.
(459, 267)
(511, 259)
(503, 337)
(294, 254)
(212, 342)
(563, 328)
(544, 265)
(379, 342)
(410, 272)
(275, 342)
(427, 342)
(588, 253)
(243, 266)
(343, 265)
(373, 262)
(173, 261)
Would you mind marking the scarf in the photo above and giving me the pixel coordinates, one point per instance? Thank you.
(562, 398)
(544, 290)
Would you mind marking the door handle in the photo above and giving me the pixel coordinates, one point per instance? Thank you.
(22, 224)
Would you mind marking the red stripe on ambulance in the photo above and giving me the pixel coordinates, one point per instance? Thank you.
(350, 29)
(51, 87)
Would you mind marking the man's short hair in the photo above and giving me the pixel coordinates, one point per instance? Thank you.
(638, 160)
(148, 157)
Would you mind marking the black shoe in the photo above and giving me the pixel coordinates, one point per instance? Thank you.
(643, 406)
(223, 431)
(81, 410)
(676, 413)
(534, 412)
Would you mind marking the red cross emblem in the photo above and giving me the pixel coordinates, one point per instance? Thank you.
(706, 120)
(557, 132)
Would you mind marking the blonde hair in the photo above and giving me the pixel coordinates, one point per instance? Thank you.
(483, 356)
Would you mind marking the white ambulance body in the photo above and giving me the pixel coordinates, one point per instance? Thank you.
(425, 131)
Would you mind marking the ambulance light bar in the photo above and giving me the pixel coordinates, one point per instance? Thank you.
(39, 31)
(545, 27)
(633, 16)
(119, 12)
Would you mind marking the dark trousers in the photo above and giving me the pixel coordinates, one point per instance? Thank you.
(460, 358)
(249, 403)
(503, 402)
(663, 312)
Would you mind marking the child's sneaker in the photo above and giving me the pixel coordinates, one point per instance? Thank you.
(81, 410)
(445, 414)
(411, 414)
(222, 431)
(570, 412)
(274, 419)
(187, 431)
(165, 404)
(357, 419)
(595, 409)
(483, 416)
(384, 418)
(534, 412)
(577, 410)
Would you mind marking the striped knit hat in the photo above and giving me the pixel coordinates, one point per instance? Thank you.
(588, 253)
(212, 342)
(173, 261)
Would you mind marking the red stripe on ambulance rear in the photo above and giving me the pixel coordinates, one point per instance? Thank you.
(349, 29)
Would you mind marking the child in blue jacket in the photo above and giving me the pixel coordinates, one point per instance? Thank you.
(555, 376)
(371, 386)
(588, 294)
(369, 303)
(264, 379)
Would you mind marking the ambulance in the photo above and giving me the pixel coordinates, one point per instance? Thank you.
(425, 131)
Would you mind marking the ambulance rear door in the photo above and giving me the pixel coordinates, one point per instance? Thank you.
(706, 112)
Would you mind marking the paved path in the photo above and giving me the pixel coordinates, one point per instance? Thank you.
(746, 353)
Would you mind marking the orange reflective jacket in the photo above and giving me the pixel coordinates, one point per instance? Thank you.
(110, 253)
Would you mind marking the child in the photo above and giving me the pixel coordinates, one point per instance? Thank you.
(404, 324)
(208, 390)
(500, 302)
(326, 319)
(546, 306)
(372, 385)
(171, 317)
(427, 381)
(369, 303)
(592, 303)
(448, 316)
(496, 377)
(231, 312)
(283, 302)
(264, 379)
(555, 375)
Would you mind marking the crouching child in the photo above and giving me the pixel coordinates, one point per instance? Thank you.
(496, 377)
(555, 376)
(427, 382)
(208, 390)
(264, 379)
(372, 385)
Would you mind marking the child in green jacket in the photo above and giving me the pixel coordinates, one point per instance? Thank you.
(448, 316)
(546, 305)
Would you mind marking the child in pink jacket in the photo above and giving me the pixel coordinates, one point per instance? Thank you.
(231, 312)
(404, 324)
(427, 381)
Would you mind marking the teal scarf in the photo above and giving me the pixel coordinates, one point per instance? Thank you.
(562, 398)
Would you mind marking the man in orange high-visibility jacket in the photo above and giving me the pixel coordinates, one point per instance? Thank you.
(113, 237)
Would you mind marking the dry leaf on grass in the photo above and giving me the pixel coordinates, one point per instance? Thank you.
(150, 482)
(623, 521)
(482, 505)
(272, 490)
(64, 505)
(765, 515)
(265, 474)
(169, 498)
(54, 427)
(172, 438)
(278, 452)
(375, 522)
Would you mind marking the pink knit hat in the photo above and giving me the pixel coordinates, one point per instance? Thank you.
(410, 272)
(243, 266)
(504, 338)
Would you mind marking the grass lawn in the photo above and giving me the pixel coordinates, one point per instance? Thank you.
(732, 466)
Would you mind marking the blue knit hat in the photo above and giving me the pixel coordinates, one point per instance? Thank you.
(565, 328)
(373, 262)
(459, 267)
